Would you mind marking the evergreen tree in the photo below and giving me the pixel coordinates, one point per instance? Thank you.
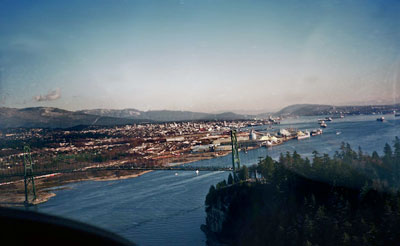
(230, 179)
(268, 168)
(396, 159)
(388, 154)
(210, 196)
(221, 184)
(375, 155)
(244, 173)
(397, 148)
(360, 153)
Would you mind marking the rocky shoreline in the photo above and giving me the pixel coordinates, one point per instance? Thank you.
(13, 191)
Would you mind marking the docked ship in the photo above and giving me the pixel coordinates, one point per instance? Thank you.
(267, 144)
(316, 132)
(303, 135)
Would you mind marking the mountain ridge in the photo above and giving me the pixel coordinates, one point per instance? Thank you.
(324, 109)
(49, 117)
(52, 117)
(165, 115)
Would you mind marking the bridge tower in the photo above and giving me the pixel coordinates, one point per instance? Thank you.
(29, 177)
(235, 153)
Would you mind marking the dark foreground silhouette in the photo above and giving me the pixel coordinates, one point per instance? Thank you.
(349, 199)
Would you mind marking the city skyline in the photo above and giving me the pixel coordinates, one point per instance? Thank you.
(208, 56)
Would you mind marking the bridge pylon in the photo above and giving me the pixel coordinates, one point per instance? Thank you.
(235, 154)
(29, 181)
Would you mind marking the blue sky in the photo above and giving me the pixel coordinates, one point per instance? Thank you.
(198, 55)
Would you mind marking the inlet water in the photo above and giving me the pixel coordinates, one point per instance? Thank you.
(161, 208)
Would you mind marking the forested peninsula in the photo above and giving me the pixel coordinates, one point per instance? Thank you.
(350, 198)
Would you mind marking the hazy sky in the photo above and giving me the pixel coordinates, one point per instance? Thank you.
(198, 55)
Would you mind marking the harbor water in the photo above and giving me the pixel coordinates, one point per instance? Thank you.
(167, 208)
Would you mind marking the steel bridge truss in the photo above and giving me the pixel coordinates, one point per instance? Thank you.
(29, 181)
(235, 154)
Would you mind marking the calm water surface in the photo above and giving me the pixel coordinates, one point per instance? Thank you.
(161, 208)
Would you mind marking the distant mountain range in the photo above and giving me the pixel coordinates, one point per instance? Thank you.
(59, 118)
(319, 109)
(164, 115)
(53, 118)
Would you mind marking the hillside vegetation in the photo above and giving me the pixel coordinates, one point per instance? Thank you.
(351, 198)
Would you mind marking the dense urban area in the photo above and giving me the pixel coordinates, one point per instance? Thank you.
(142, 145)
(55, 152)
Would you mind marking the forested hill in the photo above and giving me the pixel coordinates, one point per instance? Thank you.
(48, 117)
(349, 199)
(165, 115)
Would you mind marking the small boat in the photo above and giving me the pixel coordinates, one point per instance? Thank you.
(328, 119)
(381, 119)
(338, 133)
(316, 132)
(397, 115)
(197, 172)
(323, 125)
(176, 174)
